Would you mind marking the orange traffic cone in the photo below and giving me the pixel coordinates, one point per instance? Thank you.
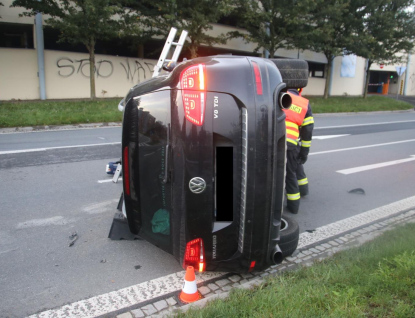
(189, 292)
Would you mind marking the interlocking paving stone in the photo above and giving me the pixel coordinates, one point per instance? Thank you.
(137, 313)
(149, 309)
(213, 286)
(160, 305)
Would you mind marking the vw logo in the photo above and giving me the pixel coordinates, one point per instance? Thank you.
(197, 185)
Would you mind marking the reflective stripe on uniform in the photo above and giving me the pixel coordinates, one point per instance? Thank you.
(292, 132)
(292, 125)
(305, 143)
(293, 197)
(308, 121)
(302, 181)
(293, 141)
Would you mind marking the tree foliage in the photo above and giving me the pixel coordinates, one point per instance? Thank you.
(326, 28)
(385, 31)
(80, 21)
(194, 17)
(271, 24)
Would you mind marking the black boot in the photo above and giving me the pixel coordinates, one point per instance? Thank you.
(303, 189)
(293, 206)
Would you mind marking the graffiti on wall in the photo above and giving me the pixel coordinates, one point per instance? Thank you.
(134, 70)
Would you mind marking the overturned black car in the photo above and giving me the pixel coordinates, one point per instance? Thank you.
(203, 155)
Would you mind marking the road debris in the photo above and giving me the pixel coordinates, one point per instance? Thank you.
(73, 238)
(357, 191)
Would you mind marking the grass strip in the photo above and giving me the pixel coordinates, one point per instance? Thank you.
(356, 104)
(376, 279)
(41, 113)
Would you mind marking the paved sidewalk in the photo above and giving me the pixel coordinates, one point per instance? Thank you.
(169, 305)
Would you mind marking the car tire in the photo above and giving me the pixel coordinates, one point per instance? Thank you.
(294, 72)
(289, 235)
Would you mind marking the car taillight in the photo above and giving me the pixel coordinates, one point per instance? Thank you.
(194, 255)
(126, 171)
(258, 79)
(193, 84)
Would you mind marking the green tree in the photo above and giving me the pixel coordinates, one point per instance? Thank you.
(271, 24)
(140, 24)
(327, 28)
(385, 31)
(80, 21)
(195, 17)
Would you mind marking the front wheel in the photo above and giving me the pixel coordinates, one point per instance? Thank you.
(289, 235)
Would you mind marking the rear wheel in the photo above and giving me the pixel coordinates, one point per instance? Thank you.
(289, 235)
(294, 72)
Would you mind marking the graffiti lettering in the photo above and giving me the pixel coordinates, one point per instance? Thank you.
(105, 71)
(131, 72)
(70, 66)
(105, 68)
(134, 70)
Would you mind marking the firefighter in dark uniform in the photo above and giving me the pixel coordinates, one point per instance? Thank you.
(299, 125)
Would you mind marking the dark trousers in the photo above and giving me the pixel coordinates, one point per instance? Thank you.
(291, 181)
(302, 180)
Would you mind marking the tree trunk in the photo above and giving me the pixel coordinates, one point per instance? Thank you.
(91, 49)
(140, 51)
(193, 50)
(367, 78)
(328, 76)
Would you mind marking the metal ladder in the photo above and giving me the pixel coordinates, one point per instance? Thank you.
(159, 66)
(166, 50)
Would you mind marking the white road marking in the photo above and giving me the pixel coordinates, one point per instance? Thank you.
(108, 180)
(145, 292)
(362, 147)
(100, 207)
(53, 148)
(329, 136)
(56, 220)
(367, 124)
(375, 166)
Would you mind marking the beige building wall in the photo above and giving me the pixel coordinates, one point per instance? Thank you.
(348, 85)
(315, 87)
(67, 74)
(11, 15)
(18, 74)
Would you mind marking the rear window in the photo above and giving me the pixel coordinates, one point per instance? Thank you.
(155, 193)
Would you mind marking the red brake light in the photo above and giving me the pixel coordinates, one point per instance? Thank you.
(252, 266)
(194, 255)
(126, 171)
(192, 81)
(258, 79)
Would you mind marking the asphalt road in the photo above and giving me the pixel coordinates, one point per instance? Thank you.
(51, 188)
